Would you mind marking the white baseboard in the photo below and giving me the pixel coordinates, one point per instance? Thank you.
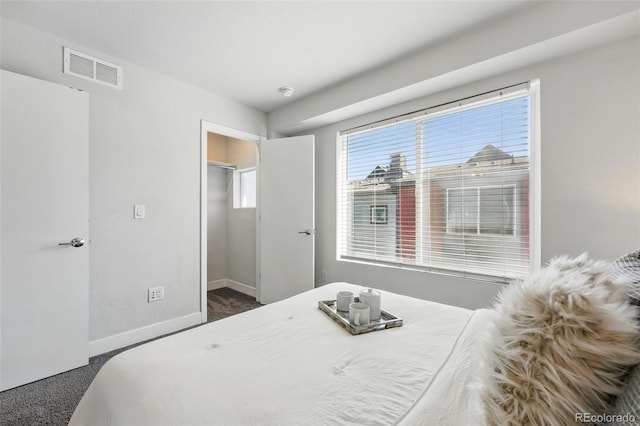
(234, 285)
(117, 341)
(213, 285)
(242, 288)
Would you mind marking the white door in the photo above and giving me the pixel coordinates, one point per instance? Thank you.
(44, 200)
(287, 218)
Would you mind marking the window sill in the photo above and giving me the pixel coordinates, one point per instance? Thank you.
(491, 279)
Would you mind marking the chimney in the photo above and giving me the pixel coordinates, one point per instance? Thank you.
(398, 162)
(397, 167)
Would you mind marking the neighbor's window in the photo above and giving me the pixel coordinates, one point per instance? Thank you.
(482, 210)
(445, 189)
(379, 215)
(244, 188)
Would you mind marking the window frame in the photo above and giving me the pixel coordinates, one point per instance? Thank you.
(478, 189)
(373, 218)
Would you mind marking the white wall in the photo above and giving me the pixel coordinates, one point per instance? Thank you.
(144, 148)
(590, 104)
(217, 193)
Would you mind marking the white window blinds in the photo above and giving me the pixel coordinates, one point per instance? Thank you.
(446, 189)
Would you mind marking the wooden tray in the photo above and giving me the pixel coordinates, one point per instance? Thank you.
(386, 320)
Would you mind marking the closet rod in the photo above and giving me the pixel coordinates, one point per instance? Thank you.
(221, 165)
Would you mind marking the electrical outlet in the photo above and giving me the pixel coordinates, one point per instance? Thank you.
(155, 294)
(325, 277)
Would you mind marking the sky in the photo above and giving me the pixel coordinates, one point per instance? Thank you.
(446, 138)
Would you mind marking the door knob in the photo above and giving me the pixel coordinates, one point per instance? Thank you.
(306, 231)
(76, 242)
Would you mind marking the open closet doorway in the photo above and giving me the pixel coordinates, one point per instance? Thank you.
(230, 230)
(279, 249)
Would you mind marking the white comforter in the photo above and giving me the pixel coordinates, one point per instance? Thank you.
(288, 363)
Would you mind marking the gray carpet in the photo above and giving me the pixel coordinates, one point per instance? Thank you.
(51, 401)
(224, 302)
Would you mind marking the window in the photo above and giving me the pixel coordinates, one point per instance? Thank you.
(453, 185)
(379, 215)
(482, 210)
(244, 188)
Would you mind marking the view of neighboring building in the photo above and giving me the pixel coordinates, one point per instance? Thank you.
(384, 214)
(450, 211)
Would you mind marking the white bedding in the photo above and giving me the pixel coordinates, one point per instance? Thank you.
(288, 363)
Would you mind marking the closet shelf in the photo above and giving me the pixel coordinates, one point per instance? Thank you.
(221, 164)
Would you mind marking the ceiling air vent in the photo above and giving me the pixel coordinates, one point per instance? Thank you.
(92, 68)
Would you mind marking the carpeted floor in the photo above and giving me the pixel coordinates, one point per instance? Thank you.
(51, 401)
(225, 302)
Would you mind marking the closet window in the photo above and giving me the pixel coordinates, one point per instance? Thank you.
(244, 188)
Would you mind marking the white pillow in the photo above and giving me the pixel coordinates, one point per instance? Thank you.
(561, 342)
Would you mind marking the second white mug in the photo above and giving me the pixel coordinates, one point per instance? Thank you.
(359, 313)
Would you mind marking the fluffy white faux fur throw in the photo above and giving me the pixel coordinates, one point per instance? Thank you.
(562, 341)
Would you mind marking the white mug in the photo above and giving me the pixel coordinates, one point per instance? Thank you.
(359, 313)
(372, 298)
(343, 300)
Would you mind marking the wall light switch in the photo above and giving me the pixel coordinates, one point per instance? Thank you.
(138, 211)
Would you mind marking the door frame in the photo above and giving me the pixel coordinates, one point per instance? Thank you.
(207, 127)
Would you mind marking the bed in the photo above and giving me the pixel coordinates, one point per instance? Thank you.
(556, 347)
(288, 363)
